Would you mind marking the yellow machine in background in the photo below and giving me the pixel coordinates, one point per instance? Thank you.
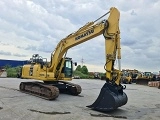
(135, 76)
(126, 77)
(129, 76)
(144, 77)
(56, 74)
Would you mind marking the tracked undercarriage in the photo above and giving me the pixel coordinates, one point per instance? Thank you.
(49, 90)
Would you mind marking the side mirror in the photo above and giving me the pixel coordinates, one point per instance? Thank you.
(75, 63)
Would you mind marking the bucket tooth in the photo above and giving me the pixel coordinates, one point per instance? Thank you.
(110, 98)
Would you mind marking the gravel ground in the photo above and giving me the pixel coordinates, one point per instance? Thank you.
(143, 103)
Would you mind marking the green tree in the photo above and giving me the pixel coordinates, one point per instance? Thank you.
(84, 70)
(78, 68)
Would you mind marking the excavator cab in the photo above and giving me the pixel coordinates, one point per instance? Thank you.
(68, 68)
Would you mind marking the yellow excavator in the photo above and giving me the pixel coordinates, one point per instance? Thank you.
(56, 74)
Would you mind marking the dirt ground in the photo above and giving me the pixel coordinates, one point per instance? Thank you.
(143, 103)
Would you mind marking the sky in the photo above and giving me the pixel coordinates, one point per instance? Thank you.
(36, 26)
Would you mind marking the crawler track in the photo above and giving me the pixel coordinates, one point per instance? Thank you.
(39, 89)
(71, 88)
(49, 90)
(66, 87)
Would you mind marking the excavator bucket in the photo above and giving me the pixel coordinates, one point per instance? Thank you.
(110, 98)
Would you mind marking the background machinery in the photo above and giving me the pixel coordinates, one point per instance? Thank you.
(126, 77)
(96, 75)
(58, 71)
(129, 76)
(144, 77)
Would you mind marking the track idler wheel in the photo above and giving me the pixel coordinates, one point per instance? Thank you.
(22, 86)
(111, 97)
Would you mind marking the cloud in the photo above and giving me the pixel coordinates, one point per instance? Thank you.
(4, 53)
(36, 26)
(19, 55)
